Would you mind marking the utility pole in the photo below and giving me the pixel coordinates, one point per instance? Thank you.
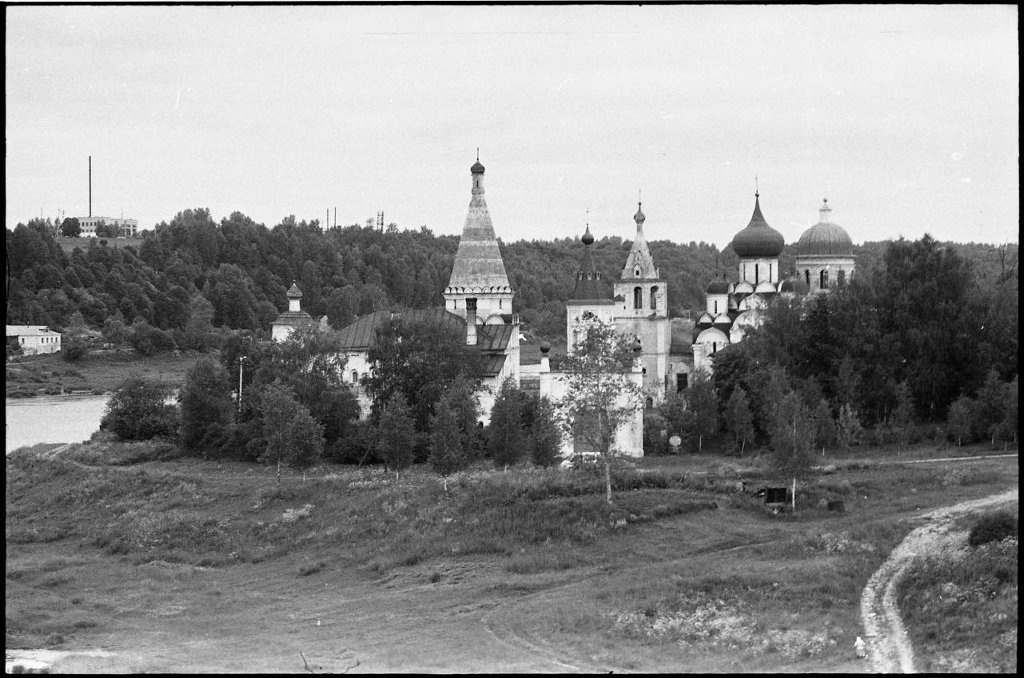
(241, 362)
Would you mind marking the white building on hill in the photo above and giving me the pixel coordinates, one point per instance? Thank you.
(34, 339)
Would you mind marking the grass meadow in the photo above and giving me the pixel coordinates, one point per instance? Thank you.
(685, 571)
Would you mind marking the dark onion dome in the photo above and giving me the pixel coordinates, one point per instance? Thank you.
(588, 238)
(758, 239)
(477, 168)
(718, 287)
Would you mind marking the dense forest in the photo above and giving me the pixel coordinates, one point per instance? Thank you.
(234, 274)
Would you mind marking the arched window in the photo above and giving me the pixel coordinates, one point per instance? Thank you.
(355, 377)
(823, 282)
(807, 278)
(636, 272)
(769, 272)
(841, 277)
(654, 298)
(757, 273)
(638, 297)
(649, 402)
(716, 307)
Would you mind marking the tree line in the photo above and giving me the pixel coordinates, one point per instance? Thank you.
(289, 405)
(918, 346)
(234, 275)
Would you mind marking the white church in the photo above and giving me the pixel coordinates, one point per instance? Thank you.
(478, 303)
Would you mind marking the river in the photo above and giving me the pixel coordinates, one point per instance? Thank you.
(52, 419)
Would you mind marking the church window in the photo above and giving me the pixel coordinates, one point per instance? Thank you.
(807, 278)
(636, 272)
(638, 297)
(654, 298)
(681, 382)
(714, 347)
(355, 377)
(649, 402)
(823, 281)
(716, 307)
(769, 272)
(757, 273)
(500, 302)
(841, 277)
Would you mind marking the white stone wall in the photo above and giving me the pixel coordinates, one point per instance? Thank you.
(810, 268)
(759, 269)
(629, 439)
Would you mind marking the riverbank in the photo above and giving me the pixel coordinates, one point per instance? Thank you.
(98, 373)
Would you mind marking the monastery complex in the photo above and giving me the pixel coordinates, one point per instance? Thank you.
(478, 304)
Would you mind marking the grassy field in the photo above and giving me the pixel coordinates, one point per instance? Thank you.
(99, 372)
(181, 565)
(961, 610)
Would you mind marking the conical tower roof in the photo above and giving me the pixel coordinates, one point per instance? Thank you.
(639, 258)
(478, 264)
(588, 280)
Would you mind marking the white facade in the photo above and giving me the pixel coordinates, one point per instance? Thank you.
(35, 339)
(126, 228)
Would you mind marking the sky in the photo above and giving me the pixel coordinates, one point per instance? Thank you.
(904, 117)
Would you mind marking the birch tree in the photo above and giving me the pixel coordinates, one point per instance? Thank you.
(602, 394)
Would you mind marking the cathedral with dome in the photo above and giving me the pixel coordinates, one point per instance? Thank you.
(824, 258)
(478, 304)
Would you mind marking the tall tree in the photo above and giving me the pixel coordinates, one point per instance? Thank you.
(602, 394)
(505, 432)
(703, 403)
(419, 358)
(290, 434)
(792, 433)
(206, 407)
(738, 420)
(958, 420)
(396, 434)
(70, 228)
(545, 434)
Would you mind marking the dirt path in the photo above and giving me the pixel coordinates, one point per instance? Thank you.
(888, 646)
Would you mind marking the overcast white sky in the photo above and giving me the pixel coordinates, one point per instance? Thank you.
(905, 117)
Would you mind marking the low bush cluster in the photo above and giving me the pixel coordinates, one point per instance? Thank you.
(993, 527)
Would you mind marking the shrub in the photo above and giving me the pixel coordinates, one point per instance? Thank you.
(138, 411)
(993, 527)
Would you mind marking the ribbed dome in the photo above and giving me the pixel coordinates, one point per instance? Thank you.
(825, 238)
(758, 239)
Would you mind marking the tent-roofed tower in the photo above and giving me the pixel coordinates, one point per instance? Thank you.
(640, 284)
(479, 271)
(591, 299)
